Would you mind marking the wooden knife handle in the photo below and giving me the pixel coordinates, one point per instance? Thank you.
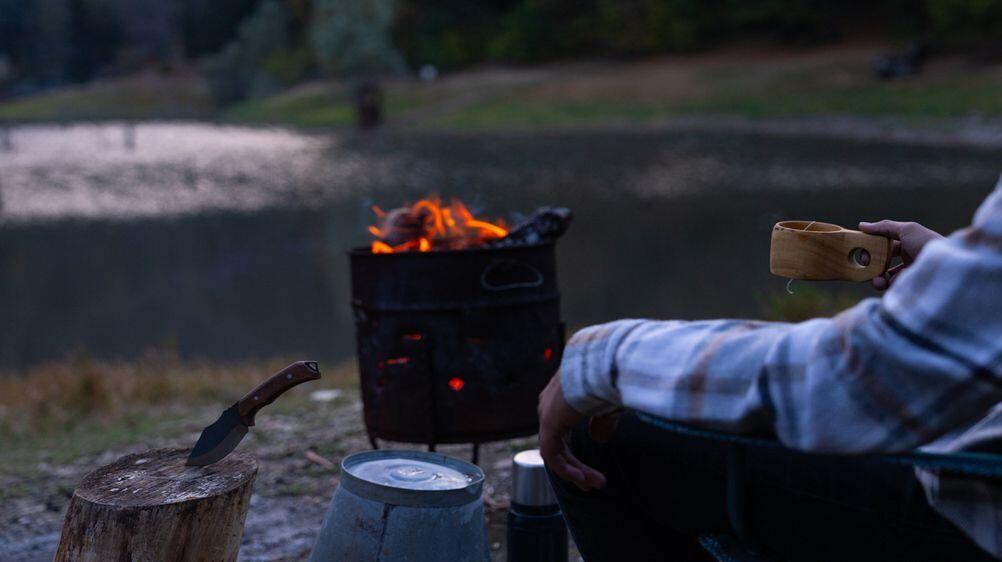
(820, 251)
(266, 392)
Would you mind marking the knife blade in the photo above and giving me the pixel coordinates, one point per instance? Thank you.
(222, 436)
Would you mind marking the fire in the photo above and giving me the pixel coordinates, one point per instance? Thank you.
(430, 225)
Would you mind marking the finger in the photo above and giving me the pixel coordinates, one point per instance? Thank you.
(565, 465)
(564, 469)
(884, 281)
(561, 461)
(594, 480)
(554, 452)
(895, 249)
(893, 272)
(890, 229)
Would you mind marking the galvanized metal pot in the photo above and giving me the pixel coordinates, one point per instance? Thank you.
(405, 506)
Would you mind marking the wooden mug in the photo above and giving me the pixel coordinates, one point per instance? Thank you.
(819, 251)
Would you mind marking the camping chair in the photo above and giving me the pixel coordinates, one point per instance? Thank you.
(741, 545)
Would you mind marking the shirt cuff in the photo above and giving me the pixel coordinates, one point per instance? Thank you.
(588, 370)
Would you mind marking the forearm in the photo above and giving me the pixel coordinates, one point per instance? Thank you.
(700, 372)
(857, 382)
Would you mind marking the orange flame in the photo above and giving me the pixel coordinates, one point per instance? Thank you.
(429, 225)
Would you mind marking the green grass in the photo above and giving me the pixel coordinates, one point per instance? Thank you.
(142, 97)
(90, 435)
(898, 99)
(513, 111)
(60, 411)
(901, 99)
(783, 85)
(324, 107)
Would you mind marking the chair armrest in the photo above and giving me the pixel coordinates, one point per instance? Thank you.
(963, 462)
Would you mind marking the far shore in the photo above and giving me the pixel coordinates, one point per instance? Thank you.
(828, 90)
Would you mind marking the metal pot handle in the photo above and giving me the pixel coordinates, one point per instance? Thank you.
(496, 264)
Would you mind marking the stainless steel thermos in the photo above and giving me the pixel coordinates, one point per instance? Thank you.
(536, 529)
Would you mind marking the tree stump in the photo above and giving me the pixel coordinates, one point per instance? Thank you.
(150, 506)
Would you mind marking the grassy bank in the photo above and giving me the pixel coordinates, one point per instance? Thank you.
(321, 104)
(833, 81)
(59, 411)
(747, 83)
(141, 97)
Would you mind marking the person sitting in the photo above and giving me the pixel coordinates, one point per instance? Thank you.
(920, 367)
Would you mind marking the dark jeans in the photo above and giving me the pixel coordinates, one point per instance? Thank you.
(664, 490)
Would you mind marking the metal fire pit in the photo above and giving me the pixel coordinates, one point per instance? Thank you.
(455, 346)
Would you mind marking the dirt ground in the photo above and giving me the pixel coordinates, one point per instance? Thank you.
(299, 454)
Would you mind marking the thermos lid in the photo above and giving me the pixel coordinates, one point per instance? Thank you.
(530, 485)
(413, 478)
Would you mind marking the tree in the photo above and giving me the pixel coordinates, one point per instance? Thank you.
(351, 38)
(239, 69)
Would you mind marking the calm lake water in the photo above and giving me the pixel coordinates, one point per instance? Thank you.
(229, 243)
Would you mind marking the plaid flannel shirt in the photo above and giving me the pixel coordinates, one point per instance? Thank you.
(919, 368)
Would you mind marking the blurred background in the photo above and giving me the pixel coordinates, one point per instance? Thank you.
(180, 181)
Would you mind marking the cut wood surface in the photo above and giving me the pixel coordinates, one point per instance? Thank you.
(820, 251)
(150, 506)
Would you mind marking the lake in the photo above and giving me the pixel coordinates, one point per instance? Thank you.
(229, 243)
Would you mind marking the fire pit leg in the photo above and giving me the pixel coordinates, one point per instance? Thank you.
(476, 453)
(431, 447)
(372, 441)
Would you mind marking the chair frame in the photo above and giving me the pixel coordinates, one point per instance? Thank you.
(744, 547)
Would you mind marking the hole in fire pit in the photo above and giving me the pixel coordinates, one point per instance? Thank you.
(502, 275)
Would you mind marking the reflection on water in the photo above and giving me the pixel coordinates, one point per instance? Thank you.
(128, 171)
(229, 243)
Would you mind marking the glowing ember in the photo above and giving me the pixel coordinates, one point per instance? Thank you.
(456, 384)
(430, 225)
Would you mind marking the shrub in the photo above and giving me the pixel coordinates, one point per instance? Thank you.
(967, 21)
(537, 30)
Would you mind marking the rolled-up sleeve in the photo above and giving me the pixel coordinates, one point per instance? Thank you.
(885, 375)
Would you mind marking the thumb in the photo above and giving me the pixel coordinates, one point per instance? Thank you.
(890, 229)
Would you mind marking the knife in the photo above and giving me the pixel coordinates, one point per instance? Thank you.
(220, 438)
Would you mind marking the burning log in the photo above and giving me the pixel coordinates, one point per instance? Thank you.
(150, 506)
(546, 224)
(401, 226)
(430, 225)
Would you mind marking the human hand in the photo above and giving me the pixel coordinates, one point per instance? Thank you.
(908, 240)
(556, 418)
